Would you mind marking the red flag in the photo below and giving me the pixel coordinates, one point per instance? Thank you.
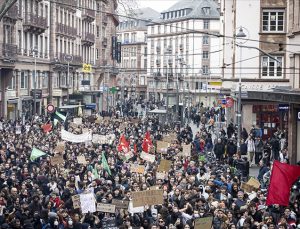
(282, 178)
(135, 148)
(123, 144)
(47, 127)
(147, 143)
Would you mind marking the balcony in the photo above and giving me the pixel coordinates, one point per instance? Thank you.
(88, 39)
(104, 62)
(35, 24)
(104, 41)
(12, 14)
(65, 30)
(88, 15)
(8, 52)
(68, 4)
(60, 59)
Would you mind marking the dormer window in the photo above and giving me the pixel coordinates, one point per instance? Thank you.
(206, 10)
(179, 13)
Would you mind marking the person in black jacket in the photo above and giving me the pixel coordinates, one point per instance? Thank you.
(219, 150)
(231, 150)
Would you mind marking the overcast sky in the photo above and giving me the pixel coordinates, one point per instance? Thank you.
(158, 5)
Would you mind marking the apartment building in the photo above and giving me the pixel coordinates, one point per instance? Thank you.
(181, 52)
(40, 40)
(254, 51)
(132, 33)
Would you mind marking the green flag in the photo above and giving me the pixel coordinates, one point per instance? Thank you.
(105, 164)
(201, 158)
(60, 116)
(36, 153)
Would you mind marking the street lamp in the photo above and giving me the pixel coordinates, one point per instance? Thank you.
(35, 53)
(240, 34)
(68, 59)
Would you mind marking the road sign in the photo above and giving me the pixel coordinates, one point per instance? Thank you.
(113, 90)
(50, 108)
(87, 68)
(68, 58)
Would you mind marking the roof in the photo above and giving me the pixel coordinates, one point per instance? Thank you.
(195, 10)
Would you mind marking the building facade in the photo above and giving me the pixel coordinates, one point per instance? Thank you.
(259, 58)
(44, 47)
(132, 33)
(182, 54)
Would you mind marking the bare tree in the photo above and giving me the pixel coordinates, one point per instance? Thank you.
(127, 7)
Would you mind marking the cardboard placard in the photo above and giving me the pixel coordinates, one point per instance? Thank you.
(76, 201)
(60, 147)
(81, 160)
(247, 188)
(137, 169)
(254, 183)
(148, 157)
(162, 147)
(164, 165)
(149, 197)
(186, 150)
(110, 208)
(57, 159)
(154, 187)
(203, 223)
(77, 121)
(120, 204)
(87, 203)
(170, 138)
(109, 223)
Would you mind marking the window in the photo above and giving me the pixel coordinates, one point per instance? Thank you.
(158, 29)
(152, 29)
(206, 24)
(11, 84)
(271, 67)
(205, 40)
(205, 55)
(205, 69)
(206, 10)
(63, 79)
(24, 79)
(98, 31)
(198, 85)
(97, 54)
(45, 80)
(273, 21)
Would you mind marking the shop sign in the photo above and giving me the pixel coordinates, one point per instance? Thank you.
(91, 106)
(283, 107)
(38, 93)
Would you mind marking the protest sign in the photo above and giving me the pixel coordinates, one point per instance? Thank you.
(148, 197)
(77, 121)
(120, 204)
(162, 147)
(87, 203)
(247, 188)
(160, 176)
(18, 130)
(76, 201)
(133, 210)
(81, 160)
(203, 223)
(170, 138)
(103, 139)
(109, 223)
(148, 157)
(57, 159)
(154, 187)
(164, 165)
(76, 138)
(137, 169)
(60, 147)
(186, 150)
(254, 183)
(110, 208)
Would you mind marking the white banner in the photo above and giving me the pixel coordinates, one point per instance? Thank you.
(148, 157)
(103, 139)
(88, 203)
(77, 121)
(76, 138)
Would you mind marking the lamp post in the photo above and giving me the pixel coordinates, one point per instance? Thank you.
(240, 34)
(169, 51)
(68, 59)
(35, 53)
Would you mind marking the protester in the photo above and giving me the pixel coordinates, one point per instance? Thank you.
(36, 193)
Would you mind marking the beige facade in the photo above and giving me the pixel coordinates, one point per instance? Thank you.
(47, 33)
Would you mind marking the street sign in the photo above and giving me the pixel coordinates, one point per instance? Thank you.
(68, 58)
(113, 90)
(87, 68)
(50, 108)
(114, 47)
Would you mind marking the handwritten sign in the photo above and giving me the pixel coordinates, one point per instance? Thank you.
(186, 150)
(110, 208)
(164, 165)
(160, 176)
(254, 183)
(76, 201)
(77, 121)
(149, 197)
(109, 223)
(170, 138)
(137, 169)
(81, 160)
(120, 204)
(203, 223)
(148, 157)
(87, 202)
(57, 159)
(60, 147)
(162, 147)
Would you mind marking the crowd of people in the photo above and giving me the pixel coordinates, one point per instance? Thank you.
(207, 183)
